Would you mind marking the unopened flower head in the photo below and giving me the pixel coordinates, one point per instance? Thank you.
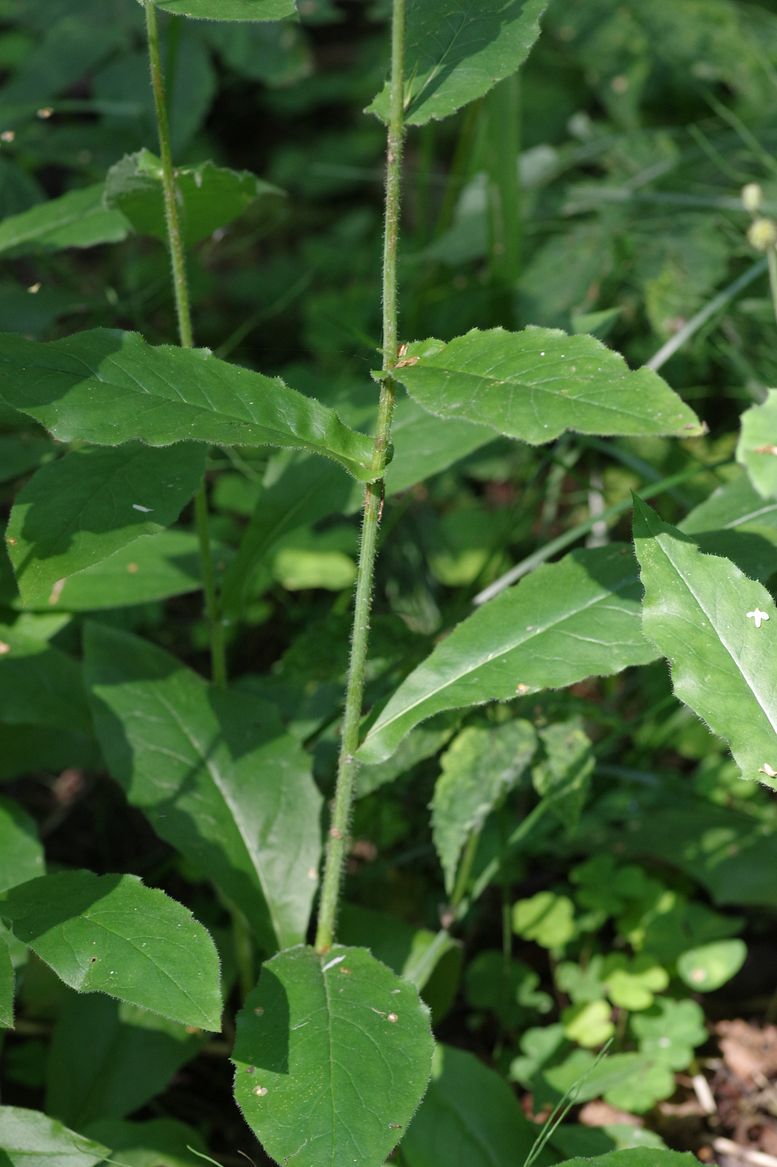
(752, 197)
(762, 234)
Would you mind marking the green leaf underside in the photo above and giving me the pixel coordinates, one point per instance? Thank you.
(536, 384)
(229, 9)
(110, 387)
(333, 1055)
(111, 934)
(478, 768)
(79, 510)
(469, 1116)
(757, 446)
(696, 613)
(31, 1139)
(456, 50)
(735, 521)
(76, 219)
(564, 622)
(215, 775)
(209, 196)
(153, 567)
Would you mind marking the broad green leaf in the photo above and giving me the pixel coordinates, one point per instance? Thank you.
(215, 775)
(22, 452)
(478, 769)
(82, 508)
(76, 219)
(153, 567)
(41, 684)
(31, 1139)
(670, 1031)
(535, 384)
(588, 1024)
(110, 387)
(38, 749)
(456, 50)
(757, 445)
(547, 918)
(469, 1116)
(157, 1142)
(130, 1057)
(332, 1057)
(718, 629)
(709, 966)
(566, 621)
(21, 854)
(423, 447)
(637, 1157)
(6, 986)
(110, 934)
(209, 196)
(229, 9)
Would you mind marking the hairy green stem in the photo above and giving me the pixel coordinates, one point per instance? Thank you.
(185, 332)
(373, 504)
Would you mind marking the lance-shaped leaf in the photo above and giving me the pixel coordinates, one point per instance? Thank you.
(456, 50)
(76, 219)
(757, 445)
(718, 629)
(478, 769)
(31, 1139)
(229, 9)
(638, 1157)
(333, 1055)
(79, 510)
(566, 621)
(110, 387)
(215, 775)
(209, 196)
(535, 384)
(735, 521)
(110, 934)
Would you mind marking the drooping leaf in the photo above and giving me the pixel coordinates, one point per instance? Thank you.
(76, 219)
(469, 1116)
(130, 1057)
(718, 629)
(111, 934)
(478, 769)
(535, 384)
(332, 1057)
(41, 684)
(229, 9)
(79, 510)
(459, 49)
(31, 1139)
(6, 986)
(21, 854)
(566, 621)
(110, 387)
(152, 567)
(757, 445)
(156, 1142)
(215, 775)
(209, 196)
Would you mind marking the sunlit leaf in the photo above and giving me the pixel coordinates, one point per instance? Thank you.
(111, 934)
(31, 1139)
(566, 621)
(718, 629)
(229, 9)
(333, 1055)
(757, 446)
(535, 384)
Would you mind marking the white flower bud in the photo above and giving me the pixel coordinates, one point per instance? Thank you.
(762, 234)
(752, 197)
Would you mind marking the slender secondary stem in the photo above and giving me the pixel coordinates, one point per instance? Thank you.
(373, 502)
(185, 332)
